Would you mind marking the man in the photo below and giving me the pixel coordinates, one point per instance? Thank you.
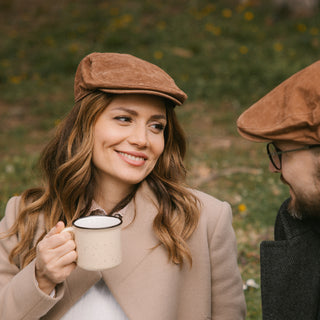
(288, 119)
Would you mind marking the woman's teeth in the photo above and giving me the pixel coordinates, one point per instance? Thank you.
(131, 157)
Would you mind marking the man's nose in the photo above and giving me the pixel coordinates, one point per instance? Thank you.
(272, 168)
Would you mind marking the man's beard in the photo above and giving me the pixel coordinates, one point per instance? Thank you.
(304, 208)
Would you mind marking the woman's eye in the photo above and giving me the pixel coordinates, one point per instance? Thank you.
(158, 127)
(123, 119)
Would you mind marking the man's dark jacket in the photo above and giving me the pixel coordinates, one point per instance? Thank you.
(290, 270)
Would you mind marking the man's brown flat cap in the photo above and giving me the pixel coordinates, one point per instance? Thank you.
(122, 74)
(290, 112)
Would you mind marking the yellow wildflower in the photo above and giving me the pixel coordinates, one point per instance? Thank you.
(185, 77)
(15, 79)
(301, 27)
(314, 31)
(243, 50)
(242, 207)
(227, 13)
(73, 47)
(277, 46)
(240, 7)
(158, 55)
(209, 8)
(213, 29)
(126, 19)
(248, 15)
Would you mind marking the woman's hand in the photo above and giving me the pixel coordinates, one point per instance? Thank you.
(55, 258)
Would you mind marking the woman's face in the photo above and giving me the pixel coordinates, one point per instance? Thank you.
(128, 139)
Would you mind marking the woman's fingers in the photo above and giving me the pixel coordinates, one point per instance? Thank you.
(56, 257)
(68, 260)
(66, 249)
(56, 229)
(56, 240)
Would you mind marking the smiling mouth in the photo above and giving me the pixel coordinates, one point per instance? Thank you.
(131, 157)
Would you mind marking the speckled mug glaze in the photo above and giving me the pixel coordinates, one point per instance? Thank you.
(98, 241)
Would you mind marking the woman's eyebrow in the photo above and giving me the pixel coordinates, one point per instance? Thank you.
(135, 113)
(158, 117)
(128, 110)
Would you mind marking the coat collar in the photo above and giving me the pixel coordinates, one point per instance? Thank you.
(287, 227)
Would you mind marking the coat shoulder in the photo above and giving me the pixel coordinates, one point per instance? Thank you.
(205, 197)
(211, 208)
(11, 212)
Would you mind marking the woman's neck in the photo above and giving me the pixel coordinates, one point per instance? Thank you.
(108, 195)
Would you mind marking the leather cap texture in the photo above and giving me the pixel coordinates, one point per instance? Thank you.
(290, 112)
(122, 74)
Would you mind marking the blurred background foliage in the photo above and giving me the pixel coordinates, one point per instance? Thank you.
(224, 54)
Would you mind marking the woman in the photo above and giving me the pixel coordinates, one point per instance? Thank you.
(120, 150)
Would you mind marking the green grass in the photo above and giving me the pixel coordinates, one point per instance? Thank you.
(224, 56)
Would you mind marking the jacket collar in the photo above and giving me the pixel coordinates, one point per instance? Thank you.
(287, 227)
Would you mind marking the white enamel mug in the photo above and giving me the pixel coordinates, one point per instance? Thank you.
(98, 241)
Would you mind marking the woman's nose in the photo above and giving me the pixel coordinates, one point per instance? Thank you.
(139, 136)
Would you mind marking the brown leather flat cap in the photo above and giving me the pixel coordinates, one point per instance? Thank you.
(290, 112)
(122, 74)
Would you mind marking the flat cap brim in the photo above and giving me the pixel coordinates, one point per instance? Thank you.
(290, 112)
(123, 74)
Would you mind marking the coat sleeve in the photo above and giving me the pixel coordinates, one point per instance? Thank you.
(20, 297)
(228, 302)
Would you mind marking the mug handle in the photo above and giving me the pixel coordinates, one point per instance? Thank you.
(69, 229)
(117, 215)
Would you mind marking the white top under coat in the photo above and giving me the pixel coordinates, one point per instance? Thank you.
(97, 303)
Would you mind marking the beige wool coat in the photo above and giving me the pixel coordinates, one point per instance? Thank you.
(145, 284)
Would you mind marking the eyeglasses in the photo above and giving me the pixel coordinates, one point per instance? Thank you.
(275, 153)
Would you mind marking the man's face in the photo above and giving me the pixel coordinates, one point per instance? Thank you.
(301, 172)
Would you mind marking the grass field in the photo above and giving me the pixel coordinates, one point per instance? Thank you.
(225, 56)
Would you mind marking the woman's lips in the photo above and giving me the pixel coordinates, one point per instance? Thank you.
(136, 159)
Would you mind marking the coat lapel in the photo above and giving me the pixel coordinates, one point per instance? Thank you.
(137, 236)
(140, 262)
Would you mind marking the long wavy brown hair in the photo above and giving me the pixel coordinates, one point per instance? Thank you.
(68, 184)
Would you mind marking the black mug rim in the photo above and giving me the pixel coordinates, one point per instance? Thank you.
(118, 216)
